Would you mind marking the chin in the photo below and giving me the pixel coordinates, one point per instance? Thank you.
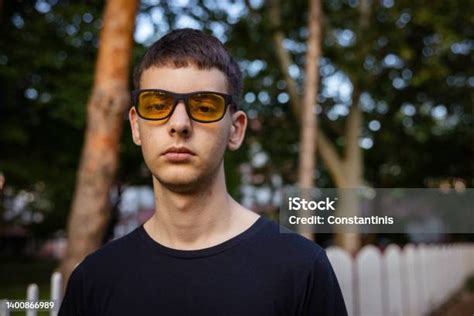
(179, 181)
(181, 186)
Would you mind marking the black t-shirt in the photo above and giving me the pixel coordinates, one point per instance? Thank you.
(261, 271)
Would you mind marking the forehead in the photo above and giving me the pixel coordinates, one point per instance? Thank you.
(184, 79)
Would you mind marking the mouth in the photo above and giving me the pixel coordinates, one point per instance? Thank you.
(177, 154)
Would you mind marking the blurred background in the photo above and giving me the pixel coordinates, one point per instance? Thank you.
(393, 108)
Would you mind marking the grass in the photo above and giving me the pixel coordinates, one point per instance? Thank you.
(17, 273)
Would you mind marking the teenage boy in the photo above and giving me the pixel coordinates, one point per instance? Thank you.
(201, 253)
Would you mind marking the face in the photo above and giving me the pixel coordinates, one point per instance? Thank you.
(183, 154)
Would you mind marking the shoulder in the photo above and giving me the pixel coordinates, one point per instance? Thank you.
(308, 269)
(97, 273)
(111, 256)
(280, 243)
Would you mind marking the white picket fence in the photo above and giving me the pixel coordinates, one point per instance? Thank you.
(410, 281)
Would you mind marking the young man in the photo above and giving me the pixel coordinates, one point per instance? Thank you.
(201, 253)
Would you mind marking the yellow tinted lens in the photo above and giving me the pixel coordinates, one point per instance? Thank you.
(206, 106)
(154, 105)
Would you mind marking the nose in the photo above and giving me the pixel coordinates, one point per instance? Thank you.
(179, 122)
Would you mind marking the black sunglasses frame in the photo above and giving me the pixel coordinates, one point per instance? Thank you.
(183, 97)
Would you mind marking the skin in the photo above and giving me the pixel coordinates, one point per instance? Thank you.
(193, 209)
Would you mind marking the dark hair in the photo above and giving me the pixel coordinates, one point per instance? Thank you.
(182, 47)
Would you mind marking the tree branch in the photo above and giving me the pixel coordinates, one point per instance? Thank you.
(331, 159)
(352, 151)
(352, 131)
(283, 56)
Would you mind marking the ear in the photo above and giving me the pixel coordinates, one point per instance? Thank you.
(133, 118)
(237, 130)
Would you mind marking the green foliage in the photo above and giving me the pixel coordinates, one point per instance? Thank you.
(46, 74)
(413, 65)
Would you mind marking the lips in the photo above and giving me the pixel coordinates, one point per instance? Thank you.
(176, 154)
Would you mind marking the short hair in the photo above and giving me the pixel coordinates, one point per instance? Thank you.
(182, 47)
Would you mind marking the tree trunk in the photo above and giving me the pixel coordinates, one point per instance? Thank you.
(352, 164)
(345, 171)
(352, 167)
(308, 119)
(105, 115)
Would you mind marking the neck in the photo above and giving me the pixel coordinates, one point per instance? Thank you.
(191, 220)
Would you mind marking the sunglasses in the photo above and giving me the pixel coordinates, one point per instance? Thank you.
(201, 106)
